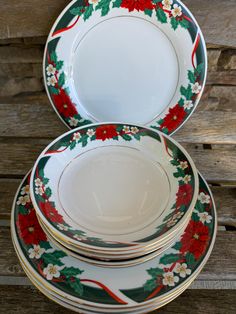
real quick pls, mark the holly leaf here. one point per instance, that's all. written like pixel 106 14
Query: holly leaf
pixel 156 1
pixel 189 92
pixel 181 102
pixel 165 131
pixel 161 16
pixel 53 258
pixel 22 210
pixel 190 259
pixel 40 198
pixel 76 285
pixel 41 173
pixel 154 272
pixel 184 23
pixel 72 145
pixel 45 181
pixel 169 259
pixel 45 245
pixel 148 12
pixel 126 137
pixel 48 192
pixel 179 173
pixel 117 4
pixel 54 90
pixel 150 285
pixel 174 23
pixel 84 142
pixel 177 246
pixel 59 65
pixel 103 5
pixel 61 80
pixel 88 12
pixel 191 77
pixel 199 69
pixel 183 91
pixel 200 207
pixel 71 271
pixel 53 57
pixel 174 162
pixel 137 137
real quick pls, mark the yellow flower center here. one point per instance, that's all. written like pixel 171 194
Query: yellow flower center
pixel 196 236
pixel 31 229
pixel 65 106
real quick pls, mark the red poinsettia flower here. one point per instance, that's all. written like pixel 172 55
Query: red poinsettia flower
pixel 51 213
pixel 184 195
pixel 104 132
pixel 139 5
pixel 195 239
pixel 174 118
pixel 30 230
pixel 64 104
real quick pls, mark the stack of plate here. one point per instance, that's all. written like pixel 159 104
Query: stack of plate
pixel 114 217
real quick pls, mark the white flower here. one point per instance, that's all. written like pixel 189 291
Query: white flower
pixel 73 122
pixel 76 136
pixel 50 70
pixel 204 198
pixel 205 217
pixel 183 165
pixel 94 2
pixel 22 200
pixel 25 190
pixel 39 190
pixel 196 88
pixel 90 132
pixel 126 129
pixel 176 11
pixel 51 81
pixel 62 227
pixel 170 279
pixel 38 182
pixel 188 104
pixel 52 271
pixel 134 129
pixel 167 4
pixel 178 215
pixel 171 222
pixel 187 179
pixel 182 270
pixel 36 252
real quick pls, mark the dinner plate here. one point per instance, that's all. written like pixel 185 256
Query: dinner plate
pixel 114 187
pixel 142 62
pixel 122 288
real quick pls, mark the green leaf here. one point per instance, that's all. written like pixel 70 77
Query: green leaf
pixel 161 16
pixel 181 102
pixel 71 271
pixel 117 4
pixel 195 217
pixel 150 285
pixel 148 12
pixel 40 198
pixel 126 137
pixel 184 23
pixel 53 57
pixel 54 90
pixel 183 91
pixel 169 259
pixel 161 121
pixel 174 23
pixel 72 145
pixel 165 130
pixel 77 11
pixel 199 69
pixel 154 272
pixel 76 285
pixel 22 210
pixel 179 173
pixel 200 207
pixel 177 246
pixel 174 162
pixel 45 245
pixel 137 137
pixel 61 80
pixel 48 192
pixel 53 258
pixel 103 5
pixel 59 65
pixel 156 1
pixel 45 181
pixel 41 173
pixel 190 259
pixel 88 12
pixel 191 77
pixel 84 142
pixel 189 93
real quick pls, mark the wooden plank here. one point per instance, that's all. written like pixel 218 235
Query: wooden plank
pixel 16 299
pixel 224 253
pixel 225 199
pixel 217 164
pixel 215 17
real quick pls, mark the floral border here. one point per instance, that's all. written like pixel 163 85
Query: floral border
pixel 166 11
pixel 43 193
pixel 172 268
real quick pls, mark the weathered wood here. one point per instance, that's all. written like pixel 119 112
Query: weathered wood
pixel 225 199
pixel 16 299
pixel 223 254
pixel 35 18
pixel 217 164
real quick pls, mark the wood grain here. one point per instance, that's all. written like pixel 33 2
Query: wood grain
pixel 225 199
pixel 216 18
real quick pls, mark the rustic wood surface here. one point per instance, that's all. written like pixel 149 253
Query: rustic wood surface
pixel 28 123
